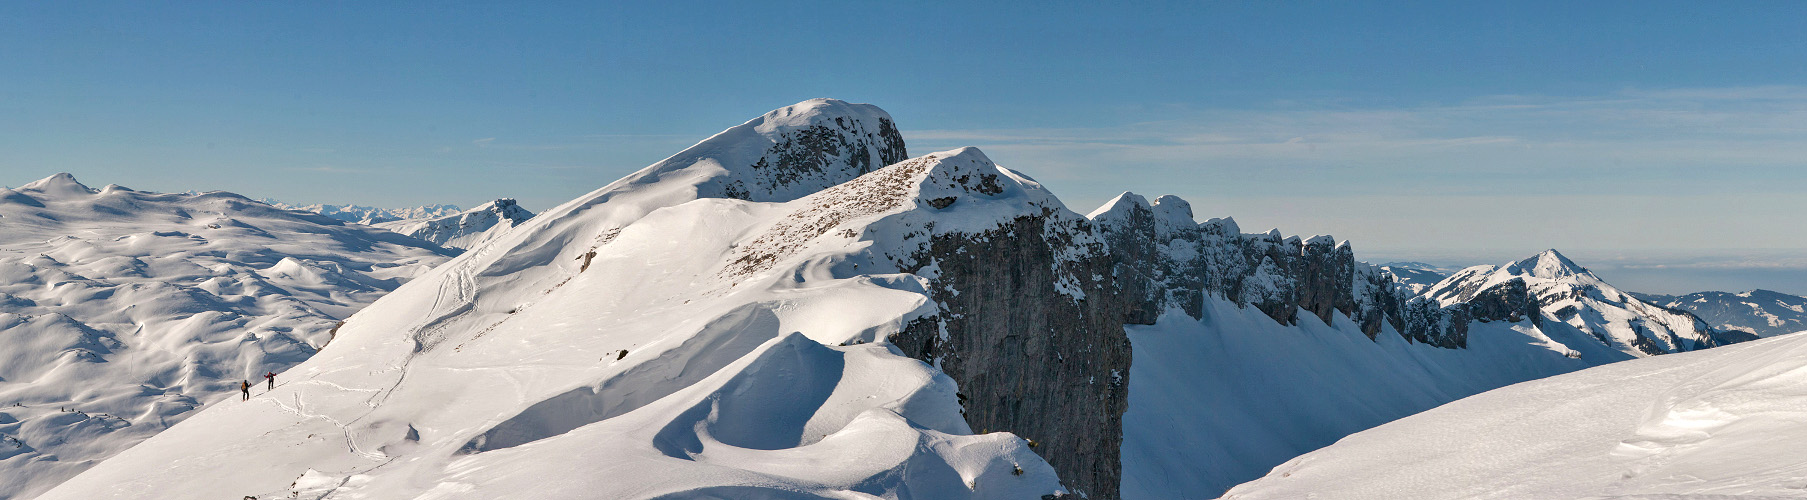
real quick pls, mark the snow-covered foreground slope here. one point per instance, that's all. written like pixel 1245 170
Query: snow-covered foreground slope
pixel 465 229
pixel 579 356
pixel 1717 424
pixel 1763 313
pixel 122 312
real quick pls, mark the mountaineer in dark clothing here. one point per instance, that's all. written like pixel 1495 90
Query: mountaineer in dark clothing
pixel 244 386
pixel 272 378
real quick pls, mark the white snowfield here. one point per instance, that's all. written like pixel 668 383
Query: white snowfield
pixel 648 340
pixel 122 311
pixel 1724 423
pixel 465 229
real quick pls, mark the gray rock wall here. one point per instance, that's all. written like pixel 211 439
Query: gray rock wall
pixel 1029 358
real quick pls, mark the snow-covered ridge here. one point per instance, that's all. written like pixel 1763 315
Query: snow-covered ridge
pixel 122 312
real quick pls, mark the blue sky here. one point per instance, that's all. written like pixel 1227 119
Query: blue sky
pixel 1663 144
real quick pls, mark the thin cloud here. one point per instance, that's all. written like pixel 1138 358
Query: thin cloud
pixel 1721 128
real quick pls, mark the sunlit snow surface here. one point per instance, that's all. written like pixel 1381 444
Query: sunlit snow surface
pixel 707 348
pixel 1728 422
pixel 122 311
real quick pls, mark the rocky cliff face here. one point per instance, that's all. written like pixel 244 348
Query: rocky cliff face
pixel 1031 328
pixel 1030 312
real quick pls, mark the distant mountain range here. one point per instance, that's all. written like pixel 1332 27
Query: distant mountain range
pixel 1758 312
pixel 1762 313
pixel 1417 275
pixel 443 225
pixel 368 215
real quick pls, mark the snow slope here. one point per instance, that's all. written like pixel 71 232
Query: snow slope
pixel 1758 312
pixel 1717 424
pixel 579 356
pixel 122 311
pixel 464 229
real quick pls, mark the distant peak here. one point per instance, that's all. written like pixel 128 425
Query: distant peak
pixel 62 183
pixel 1548 264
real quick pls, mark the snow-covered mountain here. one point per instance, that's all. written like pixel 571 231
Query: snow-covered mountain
pixel 794 308
pixel 1762 313
pixel 122 311
pixel 464 229
pixel 367 215
pixel 1718 424
pixel 1577 300
pixel 652 339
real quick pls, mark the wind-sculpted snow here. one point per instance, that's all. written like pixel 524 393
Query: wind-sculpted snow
pixel 122 312
pixel 1721 423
